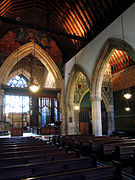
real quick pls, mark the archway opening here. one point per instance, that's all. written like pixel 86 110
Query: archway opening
pixel 43 112
pixel 85 116
pixel 118 54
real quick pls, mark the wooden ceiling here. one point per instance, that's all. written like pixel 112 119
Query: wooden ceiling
pixel 71 23
pixel 119 61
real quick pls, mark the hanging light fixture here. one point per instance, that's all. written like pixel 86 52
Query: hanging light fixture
pixel 126 93
pixel 34 87
pixel 127 108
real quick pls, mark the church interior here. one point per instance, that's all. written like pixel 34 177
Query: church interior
pixel 67 83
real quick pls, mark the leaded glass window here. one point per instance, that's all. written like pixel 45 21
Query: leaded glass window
pixel 17 81
pixel 14 103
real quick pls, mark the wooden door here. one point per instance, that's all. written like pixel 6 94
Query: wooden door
pixel 84 119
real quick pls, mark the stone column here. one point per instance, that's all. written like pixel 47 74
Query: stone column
pixel 96 115
pixel 76 120
pixel 1 104
pixel 72 120
pixel 111 123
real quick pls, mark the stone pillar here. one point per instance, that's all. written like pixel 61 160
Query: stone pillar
pixel 61 112
pixel 111 123
pixel 96 115
pixel 1 104
pixel 76 121
pixel 72 120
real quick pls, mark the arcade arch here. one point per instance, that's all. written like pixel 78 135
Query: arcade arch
pixel 97 78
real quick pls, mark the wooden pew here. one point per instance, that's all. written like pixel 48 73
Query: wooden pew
pixel 122 153
pixel 37 158
pixel 103 148
pixel 36 169
pixel 106 149
pixel 5 143
pixel 31 152
pixel 100 173
pixel 89 143
pixel 26 147
pixel 21 144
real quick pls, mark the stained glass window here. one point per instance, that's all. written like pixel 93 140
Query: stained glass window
pixel 17 104
pixel 17 81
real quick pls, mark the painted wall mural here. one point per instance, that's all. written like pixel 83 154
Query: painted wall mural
pixel 80 88
pixel 119 81
pixel 18 37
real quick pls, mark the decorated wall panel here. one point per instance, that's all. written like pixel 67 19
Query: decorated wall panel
pixel 119 81
pixel 81 87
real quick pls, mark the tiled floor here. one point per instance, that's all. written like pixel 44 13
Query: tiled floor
pixel 24 135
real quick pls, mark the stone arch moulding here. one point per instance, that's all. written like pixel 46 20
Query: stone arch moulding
pixel 85 92
pixel 17 72
pixel 102 60
pixel 97 78
pixel 69 97
pixel 71 83
pixel 107 105
pixel 23 51
pixel 105 100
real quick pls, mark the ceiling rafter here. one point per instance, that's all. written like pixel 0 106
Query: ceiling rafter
pixel 73 22
pixel 67 20
pixel 115 65
pixel 97 12
pixel 122 58
pixel 77 13
pixel 101 8
pixel 13 21
pixel 85 13
pixel 118 60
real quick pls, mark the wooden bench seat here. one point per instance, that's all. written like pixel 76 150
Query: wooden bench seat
pixel 37 158
pixel 36 169
pixel 31 152
pixel 21 144
pixel 123 153
pixel 100 173
pixel 25 148
pixel 106 149
pixel 18 142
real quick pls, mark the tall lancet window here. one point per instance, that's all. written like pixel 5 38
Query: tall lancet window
pixel 15 103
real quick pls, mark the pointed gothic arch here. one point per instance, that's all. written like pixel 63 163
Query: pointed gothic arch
pixel 69 98
pixel 103 59
pixel 97 78
pixel 48 62
pixel 23 51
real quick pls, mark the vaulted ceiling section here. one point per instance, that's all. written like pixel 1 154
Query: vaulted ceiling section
pixel 71 23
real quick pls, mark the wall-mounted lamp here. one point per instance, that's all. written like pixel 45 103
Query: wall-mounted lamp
pixel 76 107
